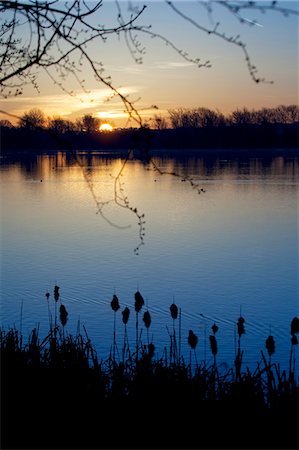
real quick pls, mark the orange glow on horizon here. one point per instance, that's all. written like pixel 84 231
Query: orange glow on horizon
pixel 106 127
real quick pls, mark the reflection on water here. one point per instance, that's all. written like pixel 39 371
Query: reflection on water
pixel 235 246
pixel 42 165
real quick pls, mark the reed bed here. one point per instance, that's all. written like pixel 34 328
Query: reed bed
pixel 58 393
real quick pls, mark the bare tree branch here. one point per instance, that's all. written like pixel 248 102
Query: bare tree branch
pixel 55 35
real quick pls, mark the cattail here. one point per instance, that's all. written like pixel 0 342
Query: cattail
pixel 115 307
pixel 238 360
pixel 56 297
pixel 139 302
pixel 56 293
pixel 126 314
pixel 295 326
pixel 240 324
pixel 213 343
pixel 47 295
pixel 173 349
pixel 147 319
pixel 147 322
pixel 215 328
pixel 270 345
pixel 192 339
pixel 294 341
pixel 174 311
pixel 63 315
pixel 115 303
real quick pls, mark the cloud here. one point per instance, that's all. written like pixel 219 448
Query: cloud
pixel 173 65
pixel 67 105
pixel 131 70
pixel 112 114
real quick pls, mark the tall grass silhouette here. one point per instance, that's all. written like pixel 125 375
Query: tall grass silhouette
pixel 137 389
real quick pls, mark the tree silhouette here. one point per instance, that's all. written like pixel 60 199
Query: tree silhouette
pixel 60 126
pixel 90 124
pixel 204 117
pixel 33 119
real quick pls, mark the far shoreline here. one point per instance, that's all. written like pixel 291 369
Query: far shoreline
pixel 160 152
pixel 249 139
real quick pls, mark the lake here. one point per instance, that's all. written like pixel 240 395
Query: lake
pixel 231 249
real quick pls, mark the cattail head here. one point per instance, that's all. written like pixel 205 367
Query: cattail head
pixel 192 339
pixel 215 328
pixel 126 314
pixel 213 344
pixel 56 293
pixel 115 303
pixel 139 302
pixel 47 295
pixel 63 315
pixel 270 345
pixel 174 311
pixel 240 324
pixel 294 339
pixel 151 350
pixel 147 319
pixel 295 326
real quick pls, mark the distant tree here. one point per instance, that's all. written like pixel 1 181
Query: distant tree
pixel 78 124
pixel 264 116
pixel 176 117
pixel 33 119
pixel 86 123
pixel 159 122
pixel 244 117
pixel 209 118
pixel 204 117
pixel 287 114
pixel 90 124
pixel 6 123
pixel 280 114
pixel 60 125
pixel 196 118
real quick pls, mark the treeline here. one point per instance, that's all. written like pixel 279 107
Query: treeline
pixel 35 119
pixel 198 128
pixel 204 117
pixel 177 118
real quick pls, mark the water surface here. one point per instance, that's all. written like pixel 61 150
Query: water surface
pixel 232 248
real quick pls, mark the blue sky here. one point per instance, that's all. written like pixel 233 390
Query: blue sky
pixel 166 80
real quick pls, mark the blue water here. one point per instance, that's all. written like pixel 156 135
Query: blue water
pixel 232 248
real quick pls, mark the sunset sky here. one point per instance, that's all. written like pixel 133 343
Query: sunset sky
pixel 166 80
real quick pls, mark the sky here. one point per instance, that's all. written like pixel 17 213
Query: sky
pixel 165 79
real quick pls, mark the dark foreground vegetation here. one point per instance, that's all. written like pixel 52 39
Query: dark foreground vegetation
pixel 57 393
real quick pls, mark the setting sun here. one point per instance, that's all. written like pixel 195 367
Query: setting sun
pixel 106 127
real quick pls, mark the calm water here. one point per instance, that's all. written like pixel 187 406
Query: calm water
pixel 234 246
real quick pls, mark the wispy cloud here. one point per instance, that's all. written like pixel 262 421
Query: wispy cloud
pixel 68 105
pixel 131 70
pixel 112 114
pixel 173 65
